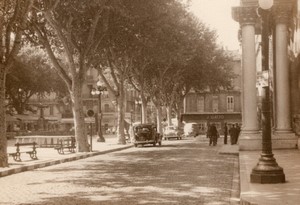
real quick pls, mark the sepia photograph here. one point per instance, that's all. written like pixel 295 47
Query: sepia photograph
pixel 149 102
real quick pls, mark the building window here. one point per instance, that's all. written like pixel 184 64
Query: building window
pixel 192 103
pixel 106 108
pixel 230 103
pixel 215 104
pixel 200 104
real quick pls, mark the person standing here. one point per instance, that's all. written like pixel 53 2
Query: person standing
pixel 225 133
pixel 214 135
pixel 232 133
pixel 237 134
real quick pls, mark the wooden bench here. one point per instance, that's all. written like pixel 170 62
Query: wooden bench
pixel 68 144
pixel 17 155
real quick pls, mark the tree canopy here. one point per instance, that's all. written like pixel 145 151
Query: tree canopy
pixel 31 75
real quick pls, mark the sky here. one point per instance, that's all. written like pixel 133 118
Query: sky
pixel 216 14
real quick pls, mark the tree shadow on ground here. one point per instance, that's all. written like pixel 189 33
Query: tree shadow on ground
pixel 187 173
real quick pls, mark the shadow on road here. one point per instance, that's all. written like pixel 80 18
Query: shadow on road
pixel 184 173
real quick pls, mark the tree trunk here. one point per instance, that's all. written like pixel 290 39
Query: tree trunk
pixel 121 115
pixel 169 115
pixel 3 139
pixel 159 119
pixel 144 112
pixel 179 112
pixel 79 123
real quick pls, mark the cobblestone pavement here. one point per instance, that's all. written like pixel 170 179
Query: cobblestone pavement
pixel 179 172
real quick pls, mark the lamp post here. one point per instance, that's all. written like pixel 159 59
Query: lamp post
pixel 138 102
pixel 98 91
pixel 267 170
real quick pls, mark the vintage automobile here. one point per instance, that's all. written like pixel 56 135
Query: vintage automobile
pixel 146 134
pixel 172 132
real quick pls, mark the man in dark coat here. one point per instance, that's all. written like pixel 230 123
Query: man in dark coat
pixel 214 135
pixel 232 133
pixel 237 134
pixel 225 133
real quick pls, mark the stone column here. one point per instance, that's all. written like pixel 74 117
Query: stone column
pixel 250 138
pixel 283 112
pixel 283 135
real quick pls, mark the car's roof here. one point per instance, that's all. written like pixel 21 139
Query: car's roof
pixel 145 125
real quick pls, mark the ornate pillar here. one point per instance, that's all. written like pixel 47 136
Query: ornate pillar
pixel 250 138
pixel 283 136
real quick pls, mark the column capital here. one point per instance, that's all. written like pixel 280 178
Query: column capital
pixel 282 13
pixel 245 15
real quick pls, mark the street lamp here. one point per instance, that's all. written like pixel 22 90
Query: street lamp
pixel 139 103
pixel 267 170
pixel 98 91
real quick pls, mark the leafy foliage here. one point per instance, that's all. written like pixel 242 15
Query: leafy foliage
pixel 31 75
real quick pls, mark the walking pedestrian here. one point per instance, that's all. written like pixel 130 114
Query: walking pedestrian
pixel 214 135
pixel 225 133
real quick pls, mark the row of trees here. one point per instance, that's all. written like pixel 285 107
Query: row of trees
pixel 156 47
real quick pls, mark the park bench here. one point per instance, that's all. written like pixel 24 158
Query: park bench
pixel 32 153
pixel 68 144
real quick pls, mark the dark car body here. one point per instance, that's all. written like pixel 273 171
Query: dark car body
pixel 146 134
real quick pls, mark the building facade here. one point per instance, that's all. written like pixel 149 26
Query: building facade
pixel 204 108
pixel 54 115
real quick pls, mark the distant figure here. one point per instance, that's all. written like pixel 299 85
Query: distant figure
pixel 238 130
pixel 208 131
pixel 225 133
pixel 214 135
pixel 232 133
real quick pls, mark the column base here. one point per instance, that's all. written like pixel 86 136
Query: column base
pixel 280 140
pixel 284 140
pixel 250 141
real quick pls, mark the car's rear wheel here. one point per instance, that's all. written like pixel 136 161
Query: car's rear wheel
pixel 154 144
pixel 159 143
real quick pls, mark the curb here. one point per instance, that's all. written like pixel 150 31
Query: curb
pixel 60 161
pixel 235 188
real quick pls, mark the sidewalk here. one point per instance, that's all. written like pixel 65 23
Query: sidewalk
pixel 287 193
pixel 49 156
pixel 271 194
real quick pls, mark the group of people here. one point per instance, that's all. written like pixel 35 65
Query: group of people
pixel 234 132
pixel 213 134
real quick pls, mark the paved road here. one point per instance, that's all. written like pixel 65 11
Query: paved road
pixel 179 172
